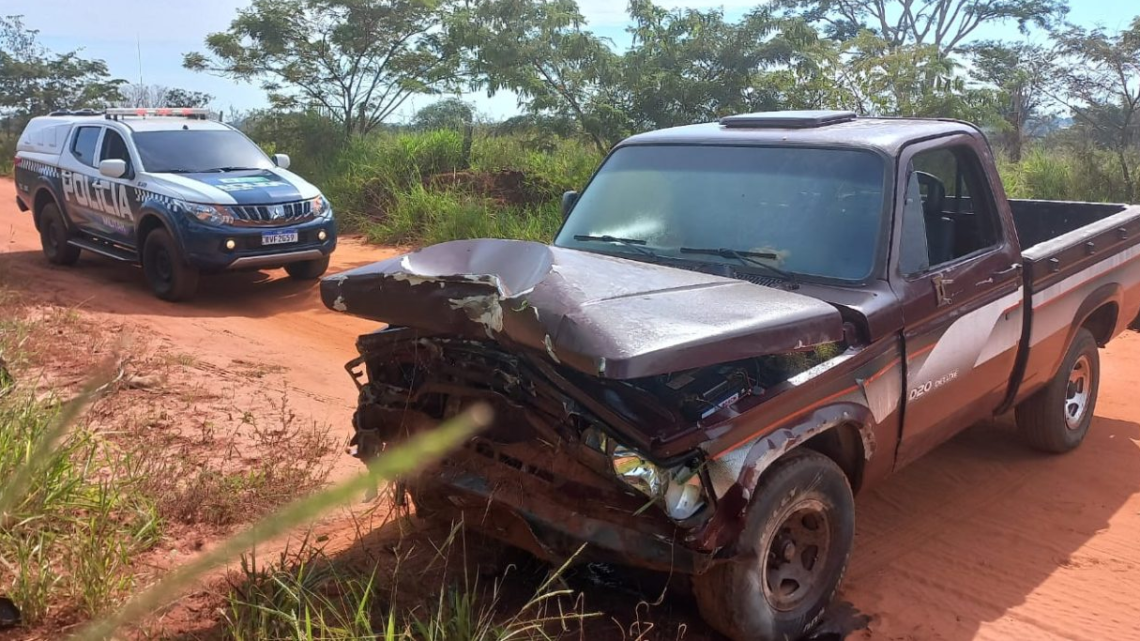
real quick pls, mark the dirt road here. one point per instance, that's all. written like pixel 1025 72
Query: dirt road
pixel 983 539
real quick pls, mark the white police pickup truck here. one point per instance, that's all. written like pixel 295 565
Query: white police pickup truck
pixel 170 189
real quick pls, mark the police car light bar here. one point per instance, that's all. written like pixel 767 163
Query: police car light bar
pixel 184 112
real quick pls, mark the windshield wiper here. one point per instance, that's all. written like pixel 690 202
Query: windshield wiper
pixel 224 169
pixel 633 243
pixel 747 257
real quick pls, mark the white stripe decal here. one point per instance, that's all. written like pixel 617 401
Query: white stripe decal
pixel 973 339
pixel 210 193
pixel 1085 275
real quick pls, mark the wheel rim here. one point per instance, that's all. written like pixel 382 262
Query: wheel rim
pixel 1077 393
pixel 795 563
pixel 163 268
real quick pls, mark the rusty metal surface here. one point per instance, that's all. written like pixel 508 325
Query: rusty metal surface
pixel 601 315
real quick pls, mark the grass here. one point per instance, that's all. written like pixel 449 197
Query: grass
pixel 67 542
pixel 381 185
pixel 308 595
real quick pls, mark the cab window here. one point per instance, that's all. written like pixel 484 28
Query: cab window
pixel 83 146
pixel 115 148
pixel 941 223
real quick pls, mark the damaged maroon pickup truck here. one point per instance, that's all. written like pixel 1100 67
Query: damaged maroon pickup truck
pixel 740 325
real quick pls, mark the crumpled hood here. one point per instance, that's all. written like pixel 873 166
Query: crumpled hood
pixel 248 187
pixel 602 315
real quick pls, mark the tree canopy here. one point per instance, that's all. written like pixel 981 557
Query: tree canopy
pixel 358 60
pixel 35 81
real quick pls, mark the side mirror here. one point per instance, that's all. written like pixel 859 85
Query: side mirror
pixel 281 160
pixel 568 201
pixel 113 168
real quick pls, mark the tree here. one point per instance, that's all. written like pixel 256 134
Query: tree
pixel 35 81
pixel 1022 74
pixel 1100 76
pixel 140 95
pixel 449 113
pixel 689 66
pixel 910 80
pixel 942 24
pixel 358 60
pixel 540 50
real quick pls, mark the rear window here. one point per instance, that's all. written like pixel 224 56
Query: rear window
pixel 83 147
pixel 195 151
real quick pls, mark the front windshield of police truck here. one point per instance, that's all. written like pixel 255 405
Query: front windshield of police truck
pixel 818 210
pixel 198 151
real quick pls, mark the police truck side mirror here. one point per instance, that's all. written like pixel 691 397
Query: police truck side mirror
pixel 113 168
pixel 281 160
pixel 568 200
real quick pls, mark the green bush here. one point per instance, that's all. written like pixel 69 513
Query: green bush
pixel 386 185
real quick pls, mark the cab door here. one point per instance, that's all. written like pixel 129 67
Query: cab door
pixel 77 174
pixel 959 279
pixel 115 195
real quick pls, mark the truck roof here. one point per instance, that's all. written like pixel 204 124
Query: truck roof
pixel 816 128
pixel 135 123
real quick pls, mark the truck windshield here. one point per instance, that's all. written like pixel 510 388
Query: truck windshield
pixel 196 151
pixel 815 212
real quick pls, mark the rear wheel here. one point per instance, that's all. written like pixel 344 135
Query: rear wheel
pixel 308 269
pixel 1057 418
pixel 790 557
pixel 167 272
pixel 53 237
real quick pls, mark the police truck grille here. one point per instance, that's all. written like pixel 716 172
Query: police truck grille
pixel 268 215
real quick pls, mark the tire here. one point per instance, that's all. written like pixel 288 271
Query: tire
pixel 308 269
pixel 805 504
pixel 166 270
pixel 1057 418
pixel 53 237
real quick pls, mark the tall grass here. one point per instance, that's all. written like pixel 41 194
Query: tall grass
pixel 73 514
pixel 1080 174
pixel 381 185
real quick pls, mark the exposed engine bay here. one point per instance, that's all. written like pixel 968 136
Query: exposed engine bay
pixel 609 379
pixel 558 425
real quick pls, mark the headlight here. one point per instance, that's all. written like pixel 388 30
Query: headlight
pixel 321 207
pixel 209 214
pixel 678 489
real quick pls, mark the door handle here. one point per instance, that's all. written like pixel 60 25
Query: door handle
pixel 940 283
pixel 1016 267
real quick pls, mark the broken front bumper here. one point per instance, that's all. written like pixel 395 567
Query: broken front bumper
pixel 554 518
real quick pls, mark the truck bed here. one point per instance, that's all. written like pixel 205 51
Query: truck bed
pixel 1077 257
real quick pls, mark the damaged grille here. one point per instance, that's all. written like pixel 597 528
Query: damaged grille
pixel 279 214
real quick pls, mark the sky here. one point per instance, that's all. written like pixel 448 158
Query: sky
pixel 117 31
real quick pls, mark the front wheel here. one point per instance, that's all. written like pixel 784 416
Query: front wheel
pixel 169 276
pixel 1057 418
pixel 791 556
pixel 308 269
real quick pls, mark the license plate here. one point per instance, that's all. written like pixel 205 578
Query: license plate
pixel 280 237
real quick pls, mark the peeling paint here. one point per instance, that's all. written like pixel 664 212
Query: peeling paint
pixel 550 349
pixel 485 310
pixel 339 305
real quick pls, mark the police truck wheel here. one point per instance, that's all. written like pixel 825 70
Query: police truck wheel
pixel 167 272
pixel 308 269
pixel 53 237
pixel 790 557
pixel 1057 418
